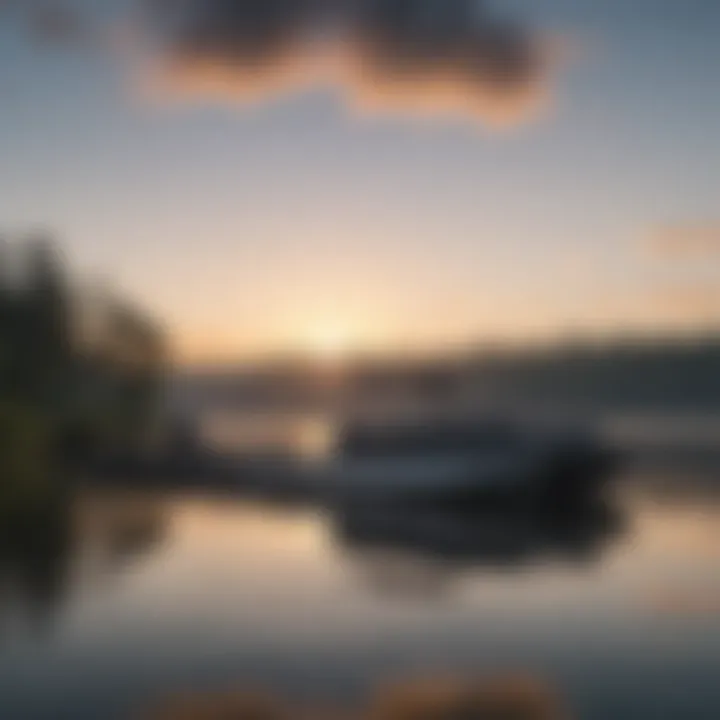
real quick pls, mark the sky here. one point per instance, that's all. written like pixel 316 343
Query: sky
pixel 306 175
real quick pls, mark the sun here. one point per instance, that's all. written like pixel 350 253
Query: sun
pixel 330 343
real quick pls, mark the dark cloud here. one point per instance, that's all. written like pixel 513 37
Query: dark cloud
pixel 402 38
pixel 56 23
pixel 232 32
pixel 48 23
pixel 411 54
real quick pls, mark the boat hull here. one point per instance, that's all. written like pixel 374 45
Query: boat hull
pixel 555 474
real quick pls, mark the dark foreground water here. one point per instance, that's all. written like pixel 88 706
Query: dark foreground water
pixel 617 606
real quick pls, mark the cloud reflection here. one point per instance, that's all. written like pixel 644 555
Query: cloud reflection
pixel 518 697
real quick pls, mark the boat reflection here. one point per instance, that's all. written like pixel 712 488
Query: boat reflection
pixel 418 548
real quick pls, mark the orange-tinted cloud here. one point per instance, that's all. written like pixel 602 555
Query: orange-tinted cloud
pixel 523 698
pixel 701 301
pixel 690 240
pixel 418 56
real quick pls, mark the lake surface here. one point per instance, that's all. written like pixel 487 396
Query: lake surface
pixel 616 606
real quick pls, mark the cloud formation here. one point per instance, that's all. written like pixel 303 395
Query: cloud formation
pixel 428 56
pixel 48 23
pixel 56 23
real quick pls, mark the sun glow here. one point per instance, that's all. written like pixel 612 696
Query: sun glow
pixel 330 343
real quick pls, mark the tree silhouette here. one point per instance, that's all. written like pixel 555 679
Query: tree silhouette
pixel 64 400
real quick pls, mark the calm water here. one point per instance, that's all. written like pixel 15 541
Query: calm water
pixel 617 606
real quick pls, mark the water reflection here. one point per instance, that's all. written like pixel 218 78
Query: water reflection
pixel 119 528
pixel 35 562
pixel 77 540
pixel 512 697
pixel 152 594
pixel 82 541
pixel 419 549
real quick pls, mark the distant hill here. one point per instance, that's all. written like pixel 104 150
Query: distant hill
pixel 655 375
pixel 662 374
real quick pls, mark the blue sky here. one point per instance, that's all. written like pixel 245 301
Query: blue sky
pixel 254 227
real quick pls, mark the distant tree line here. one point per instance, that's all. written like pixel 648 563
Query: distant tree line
pixel 655 375
pixel 81 374
pixel 633 375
